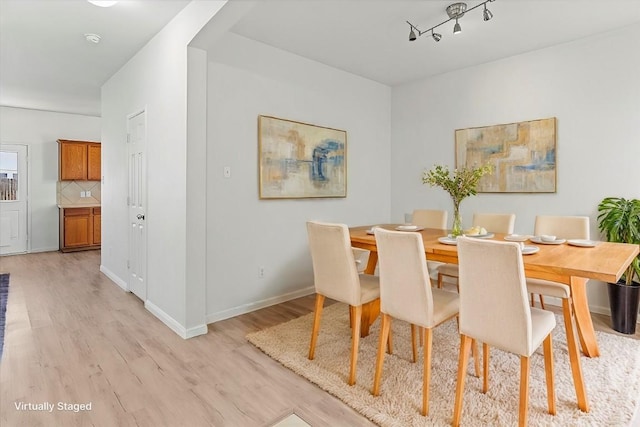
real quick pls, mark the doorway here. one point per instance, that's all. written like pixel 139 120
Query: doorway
pixel 13 199
pixel 137 202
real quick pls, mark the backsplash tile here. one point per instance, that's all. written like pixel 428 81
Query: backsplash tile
pixel 68 192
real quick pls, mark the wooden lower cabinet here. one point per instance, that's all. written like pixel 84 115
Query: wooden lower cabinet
pixel 80 228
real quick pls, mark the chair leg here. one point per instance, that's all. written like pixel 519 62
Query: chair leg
pixel 548 370
pixel 476 357
pixel 390 339
pixel 439 280
pixel 421 336
pixel 524 391
pixel 533 301
pixel 485 367
pixel 355 341
pixel 426 374
pixel 465 343
pixel 385 325
pixel 541 301
pixel 414 346
pixel 574 357
pixel 316 325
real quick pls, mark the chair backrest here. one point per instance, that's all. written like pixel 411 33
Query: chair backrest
pixel 405 288
pixel 334 268
pixel 493 295
pixel 563 227
pixel 496 223
pixel 428 218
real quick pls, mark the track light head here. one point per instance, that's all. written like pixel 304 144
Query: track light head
pixel 412 35
pixel 436 36
pixel 457 28
pixel 487 13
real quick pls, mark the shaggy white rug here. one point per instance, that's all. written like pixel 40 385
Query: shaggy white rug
pixel 612 380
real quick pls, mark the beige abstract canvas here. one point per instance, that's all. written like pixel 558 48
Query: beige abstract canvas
pixel 523 155
pixel 299 160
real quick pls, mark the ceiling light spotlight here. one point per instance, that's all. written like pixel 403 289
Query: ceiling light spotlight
pixel 102 3
pixel 455 11
pixel 92 38
pixel 487 13
pixel 457 28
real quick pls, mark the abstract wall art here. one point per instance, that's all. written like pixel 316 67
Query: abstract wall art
pixel 299 160
pixel 523 155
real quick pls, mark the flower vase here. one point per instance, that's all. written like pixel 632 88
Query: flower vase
pixel 456 230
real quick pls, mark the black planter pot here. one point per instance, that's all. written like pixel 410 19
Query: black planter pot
pixel 623 301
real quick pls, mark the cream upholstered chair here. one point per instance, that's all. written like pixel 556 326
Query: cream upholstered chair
pixel 406 294
pixel 361 256
pixel 429 218
pixel 565 227
pixel 494 309
pixel 494 223
pixel 336 276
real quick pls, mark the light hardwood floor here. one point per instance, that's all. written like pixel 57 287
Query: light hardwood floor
pixel 73 336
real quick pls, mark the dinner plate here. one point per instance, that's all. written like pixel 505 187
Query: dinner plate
pixel 409 228
pixel 528 250
pixel 370 231
pixel 537 239
pixel 481 236
pixel 448 240
pixel 582 243
pixel 517 237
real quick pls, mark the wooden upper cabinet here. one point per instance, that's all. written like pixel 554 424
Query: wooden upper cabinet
pixel 79 160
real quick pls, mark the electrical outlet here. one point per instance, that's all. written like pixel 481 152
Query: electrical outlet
pixel 83 194
pixel 261 272
pixel 227 171
pixel 87 193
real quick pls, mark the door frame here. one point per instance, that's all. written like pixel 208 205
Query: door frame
pixel 28 191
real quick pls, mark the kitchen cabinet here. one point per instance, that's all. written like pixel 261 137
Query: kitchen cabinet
pixel 79 160
pixel 80 228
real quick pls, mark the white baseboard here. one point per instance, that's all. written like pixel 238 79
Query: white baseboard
pixel 253 306
pixel 38 250
pixel 114 278
pixel 173 324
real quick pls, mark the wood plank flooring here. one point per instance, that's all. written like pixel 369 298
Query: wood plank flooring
pixel 74 337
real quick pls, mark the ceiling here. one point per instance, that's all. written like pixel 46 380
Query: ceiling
pixel 45 62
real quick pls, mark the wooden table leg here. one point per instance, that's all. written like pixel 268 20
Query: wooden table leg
pixel 586 332
pixel 371 310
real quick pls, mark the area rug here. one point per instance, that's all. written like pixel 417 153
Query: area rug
pixel 612 380
pixel 4 296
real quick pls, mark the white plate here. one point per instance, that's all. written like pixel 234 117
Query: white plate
pixel 481 236
pixel 517 237
pixel 448 240
pixel 537 239
pixel 528 250
pixel 370 231
pixel 409 228
pixel 582 243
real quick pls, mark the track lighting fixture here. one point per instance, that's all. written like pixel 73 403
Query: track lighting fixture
pixel 455 11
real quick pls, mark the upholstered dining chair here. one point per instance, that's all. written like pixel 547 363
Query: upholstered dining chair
pixel 494 309
pixel 494 223
pixel 336 276
pixel 406 294
pixel 430 218
pixel 565 227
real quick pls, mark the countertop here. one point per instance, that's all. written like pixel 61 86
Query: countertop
pixel 80 205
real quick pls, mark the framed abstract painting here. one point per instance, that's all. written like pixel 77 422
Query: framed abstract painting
pixel 523 155
pixel 300 160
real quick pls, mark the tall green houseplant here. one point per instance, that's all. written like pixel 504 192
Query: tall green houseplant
pixel 619 220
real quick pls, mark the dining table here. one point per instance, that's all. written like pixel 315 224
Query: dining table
pixel 564 263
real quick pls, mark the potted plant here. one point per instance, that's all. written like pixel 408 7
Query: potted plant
pixel 619 220
pixel 462 184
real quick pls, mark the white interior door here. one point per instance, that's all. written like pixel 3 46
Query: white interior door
pixel 137 200
pixel 13 199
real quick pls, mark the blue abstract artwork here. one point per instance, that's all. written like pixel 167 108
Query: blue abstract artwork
pixel 299 160
pixel 523 155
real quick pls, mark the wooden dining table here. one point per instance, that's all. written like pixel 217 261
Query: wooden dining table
pixel 562 263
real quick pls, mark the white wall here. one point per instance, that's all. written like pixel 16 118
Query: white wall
pixel 156 80
pixel 247 79
pixel 590 85
pixel 40 130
